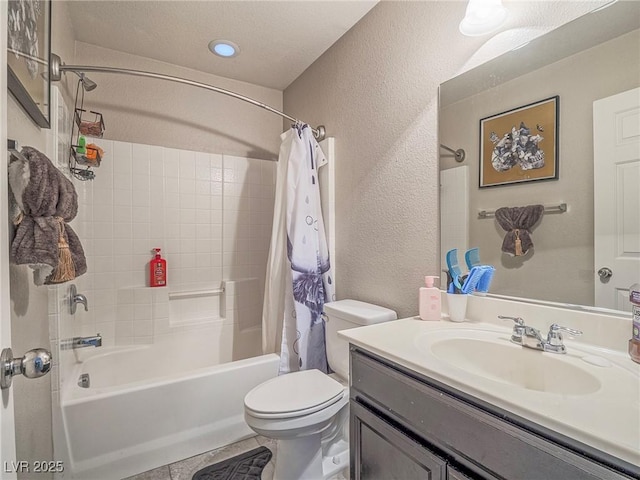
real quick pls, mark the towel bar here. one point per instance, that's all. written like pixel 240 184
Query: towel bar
pixel 547 209
pixel 196 294
pixel 14 149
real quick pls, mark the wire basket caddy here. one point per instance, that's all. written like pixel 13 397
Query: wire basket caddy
pixel 83 158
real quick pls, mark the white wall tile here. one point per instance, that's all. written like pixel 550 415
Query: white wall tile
pixel 141 155
pixel 187 164
pixel 183 202
pixel 122 196
pixel 122 158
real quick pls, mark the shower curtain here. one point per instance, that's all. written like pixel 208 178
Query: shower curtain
pixel 298 280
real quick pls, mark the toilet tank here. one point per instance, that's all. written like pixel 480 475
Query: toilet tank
pixel 344 314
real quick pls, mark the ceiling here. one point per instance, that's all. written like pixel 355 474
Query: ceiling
pixel 278 40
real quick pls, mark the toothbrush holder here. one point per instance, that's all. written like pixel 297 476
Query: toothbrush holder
pixel 457 303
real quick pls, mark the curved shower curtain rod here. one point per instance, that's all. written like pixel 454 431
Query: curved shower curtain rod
pixel 57 68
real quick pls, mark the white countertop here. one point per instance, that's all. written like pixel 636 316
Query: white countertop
pixel 607 419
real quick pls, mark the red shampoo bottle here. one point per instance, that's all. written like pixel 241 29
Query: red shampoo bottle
pixel 157 270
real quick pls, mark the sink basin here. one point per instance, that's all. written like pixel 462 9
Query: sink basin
pixel 491 355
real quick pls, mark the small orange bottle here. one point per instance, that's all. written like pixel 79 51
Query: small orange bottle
pixel 157 270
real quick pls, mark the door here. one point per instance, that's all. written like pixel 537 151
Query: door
pixel 616 156
pixel 7 429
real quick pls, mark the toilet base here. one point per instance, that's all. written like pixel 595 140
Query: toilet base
pixel 301 458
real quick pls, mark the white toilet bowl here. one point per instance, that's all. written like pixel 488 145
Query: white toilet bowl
pixel 307 412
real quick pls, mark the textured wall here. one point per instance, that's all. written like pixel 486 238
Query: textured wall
pixel 376 90
pixel 155 112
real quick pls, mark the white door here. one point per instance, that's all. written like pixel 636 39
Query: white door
pixel 7 425
pixel 616 148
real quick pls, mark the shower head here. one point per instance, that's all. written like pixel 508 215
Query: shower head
pixel 87 83
pixel 57 68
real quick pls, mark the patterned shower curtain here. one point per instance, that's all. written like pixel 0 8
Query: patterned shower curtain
pixel 305 273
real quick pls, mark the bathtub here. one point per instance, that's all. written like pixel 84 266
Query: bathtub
pixel 151 405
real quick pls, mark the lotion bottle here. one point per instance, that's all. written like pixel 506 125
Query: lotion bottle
pixel 157 270
pixel 430 303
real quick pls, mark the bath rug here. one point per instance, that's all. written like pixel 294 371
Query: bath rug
pixel 246 466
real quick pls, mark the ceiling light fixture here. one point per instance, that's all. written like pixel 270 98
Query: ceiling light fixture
pixel 483 17
pixel 224 48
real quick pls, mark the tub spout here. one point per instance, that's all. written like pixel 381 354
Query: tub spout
pixel 82 342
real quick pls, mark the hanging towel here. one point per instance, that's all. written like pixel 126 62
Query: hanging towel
pixel 517 222
pixel 46 201
pixel 303 269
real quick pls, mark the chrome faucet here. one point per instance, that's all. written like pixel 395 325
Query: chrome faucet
pixel 531 338
pixel 76 298
pixel 81 342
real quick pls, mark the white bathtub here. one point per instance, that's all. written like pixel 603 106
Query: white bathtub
pixel 151 405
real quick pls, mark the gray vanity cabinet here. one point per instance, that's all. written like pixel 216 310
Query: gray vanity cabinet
pixel 404 426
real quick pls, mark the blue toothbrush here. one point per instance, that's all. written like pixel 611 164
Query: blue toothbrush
pixel 485 280
pixel 476 275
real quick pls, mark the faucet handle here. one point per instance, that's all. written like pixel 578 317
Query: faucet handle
pixel 519 329
pixel 519 321
pixel 555 337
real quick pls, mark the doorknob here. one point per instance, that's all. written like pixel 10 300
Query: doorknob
pixel 605 272
pixel 34 364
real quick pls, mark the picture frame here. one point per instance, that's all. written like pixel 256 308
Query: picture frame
pixel 520 145
pixel 28 57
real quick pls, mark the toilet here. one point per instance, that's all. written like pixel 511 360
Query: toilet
pixel 307 412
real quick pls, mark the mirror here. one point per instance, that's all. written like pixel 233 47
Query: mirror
pixel 593 57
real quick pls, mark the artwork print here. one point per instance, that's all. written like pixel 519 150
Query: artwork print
pixel 520 145
pixel 28 49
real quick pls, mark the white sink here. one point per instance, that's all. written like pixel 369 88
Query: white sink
pixel 591 393
pixel 496 358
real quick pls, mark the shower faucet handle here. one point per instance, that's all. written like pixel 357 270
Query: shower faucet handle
pixel 76 298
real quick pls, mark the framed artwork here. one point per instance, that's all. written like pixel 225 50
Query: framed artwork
pixel 520 145
pixel 28 51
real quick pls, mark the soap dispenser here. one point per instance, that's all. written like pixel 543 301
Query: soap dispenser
pixel 430 303
pixel 157 270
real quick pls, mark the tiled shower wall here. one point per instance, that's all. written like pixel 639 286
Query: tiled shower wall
pixel 210 214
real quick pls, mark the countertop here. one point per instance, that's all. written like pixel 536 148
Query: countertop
pixel 607 419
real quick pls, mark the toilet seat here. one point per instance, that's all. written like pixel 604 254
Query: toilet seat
pixel 294 395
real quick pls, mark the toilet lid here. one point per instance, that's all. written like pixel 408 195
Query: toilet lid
pixel 293 394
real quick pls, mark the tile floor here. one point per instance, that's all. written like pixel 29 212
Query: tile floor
pixel 184 469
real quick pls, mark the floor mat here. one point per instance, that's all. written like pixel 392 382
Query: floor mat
pixel 246 466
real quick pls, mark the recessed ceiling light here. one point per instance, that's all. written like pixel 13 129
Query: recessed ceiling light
pixel 224 48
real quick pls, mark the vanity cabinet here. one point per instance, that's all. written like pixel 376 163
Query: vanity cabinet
pixel 406 426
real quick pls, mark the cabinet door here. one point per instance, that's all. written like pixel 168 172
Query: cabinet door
pixel 381 452
pixel 454 474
